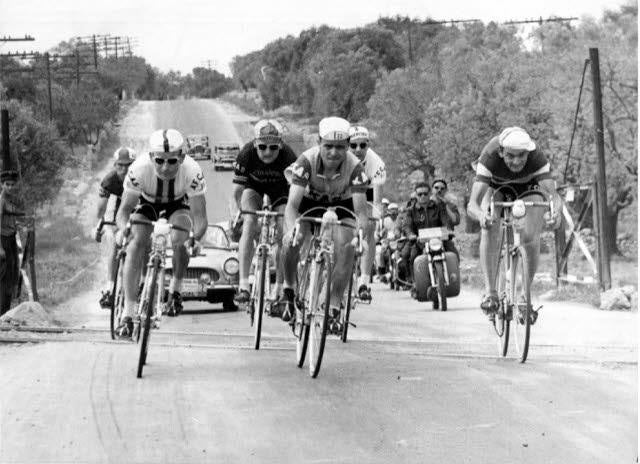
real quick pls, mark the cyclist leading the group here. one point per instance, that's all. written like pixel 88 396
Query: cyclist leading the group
pixel 164 180
pixel 325 175
pixel 511 159
pixel 111 187
pixel 375 170
pixel 259 170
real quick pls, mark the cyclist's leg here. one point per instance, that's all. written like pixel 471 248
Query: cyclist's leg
pixel 343 263
pixel 278 251
pixel 530 234
pixel 366 262
pixel 134 262
pixel 178 215
pixel 489 243
pixel 108 237
pixel 250 201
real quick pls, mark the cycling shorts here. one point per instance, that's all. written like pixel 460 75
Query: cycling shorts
pixel 152 211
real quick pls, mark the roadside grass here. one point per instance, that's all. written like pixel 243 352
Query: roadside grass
pixel 67 260
pixel 249 102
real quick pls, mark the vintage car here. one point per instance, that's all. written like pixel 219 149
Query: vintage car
pixel 212 275
pixel 198 146
pixel 224 155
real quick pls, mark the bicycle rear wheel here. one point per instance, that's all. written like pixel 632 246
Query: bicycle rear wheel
pixel 319 313
pixel 259 295
pixel 146 313
pixel 117 297
pixel 346 313
pixel 521 302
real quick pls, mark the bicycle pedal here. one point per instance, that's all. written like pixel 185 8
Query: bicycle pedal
pixel 352 324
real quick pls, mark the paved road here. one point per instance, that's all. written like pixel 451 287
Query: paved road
pixel 412 385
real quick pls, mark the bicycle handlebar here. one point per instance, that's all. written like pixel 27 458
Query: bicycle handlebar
pixel 262 213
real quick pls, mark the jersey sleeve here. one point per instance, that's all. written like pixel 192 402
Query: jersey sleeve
pixel 299 172
pixel 359 182
pixel 240 171
pixel 378 172
pixel 486 162
pixel 133 180
pixel 196 185
pixel 104 191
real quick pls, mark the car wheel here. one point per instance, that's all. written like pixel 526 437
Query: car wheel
pixel 229 305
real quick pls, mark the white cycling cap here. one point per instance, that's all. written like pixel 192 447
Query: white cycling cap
pixel 385 201
pixel 516 138
pixel 392 206
pixel 165 141
pixel 358 132
pixel 268 130
pixel 333 128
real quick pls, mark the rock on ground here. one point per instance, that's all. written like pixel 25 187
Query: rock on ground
pixel 614 299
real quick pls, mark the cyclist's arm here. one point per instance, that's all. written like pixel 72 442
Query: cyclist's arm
pixel 1 209
pixel 377 196
pixel 198 206
pixel 102 206
pixel 548 186
pixel 129 201
pixel 474 208
pixel 291 214
pixel 453 213
pixel 361 210
pixel 237 194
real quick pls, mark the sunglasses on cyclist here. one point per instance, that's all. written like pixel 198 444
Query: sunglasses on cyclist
pixel 438 188
pixel 331 146
pixel 363 145
pixel 262 147
pixel 170 161
pixel 422 194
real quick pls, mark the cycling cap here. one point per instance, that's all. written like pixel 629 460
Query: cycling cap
pixel 358 132
pixel 124 155
pixel 516 138
pixel 165 141
pixel 393 206
pixel 268 130
pixel 385 201
pixel 333 128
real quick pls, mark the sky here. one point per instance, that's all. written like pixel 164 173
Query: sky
pixel 189 33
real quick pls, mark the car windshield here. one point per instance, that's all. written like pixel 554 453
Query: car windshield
pixel 215 237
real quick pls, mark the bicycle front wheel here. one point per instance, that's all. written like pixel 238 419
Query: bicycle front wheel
pixel 258 301
pixel 346 313
pixel 521 302
pixel 117 297
pixel 319 313
pixel 146 314
pixel 301 327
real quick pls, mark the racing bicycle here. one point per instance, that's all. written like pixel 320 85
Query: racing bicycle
pixel 314 287
pixel 514 292
pixel 261 298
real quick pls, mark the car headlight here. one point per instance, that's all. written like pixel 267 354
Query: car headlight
pixel 435 244
pixel 518 209
pixel 205 278
pixel 231 266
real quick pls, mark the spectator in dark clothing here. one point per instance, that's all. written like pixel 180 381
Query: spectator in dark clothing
pixel 10 208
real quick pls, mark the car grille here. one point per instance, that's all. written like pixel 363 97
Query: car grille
pixel 196 272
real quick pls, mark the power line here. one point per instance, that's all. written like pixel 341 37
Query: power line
pixel 541 20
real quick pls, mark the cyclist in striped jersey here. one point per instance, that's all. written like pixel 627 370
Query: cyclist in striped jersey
pixel 164 180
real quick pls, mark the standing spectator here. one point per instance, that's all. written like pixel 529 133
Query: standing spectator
pixel 10 207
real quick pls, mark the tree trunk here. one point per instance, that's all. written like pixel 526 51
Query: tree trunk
pixel 611 230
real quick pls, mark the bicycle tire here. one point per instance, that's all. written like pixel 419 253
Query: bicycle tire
pixel 147 313
pixel 347 310
pixel 521 316
pixel 441 290
pixel 117 301
pixel 301 329
pixel 319 319
pixel 502 320
pixel 262 263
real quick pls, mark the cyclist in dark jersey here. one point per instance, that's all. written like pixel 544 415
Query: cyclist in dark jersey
pixel 259 170
pixel 510 160
pixel 11 206
pixel 111 187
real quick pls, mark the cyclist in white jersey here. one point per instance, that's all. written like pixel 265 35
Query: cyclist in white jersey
pixel 375 170
pixel 165 180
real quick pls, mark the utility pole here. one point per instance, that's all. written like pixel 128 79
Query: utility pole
pixel 95 53
pixel 48 64
pixel 601 180
pixel 6 154
pixel 77 68
pixel 116 43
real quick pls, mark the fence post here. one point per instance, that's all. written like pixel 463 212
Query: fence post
pixel 31 241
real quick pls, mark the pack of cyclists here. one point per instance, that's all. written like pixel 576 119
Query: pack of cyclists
pixel 341 170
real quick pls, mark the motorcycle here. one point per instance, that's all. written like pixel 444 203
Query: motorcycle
pixel 436 272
